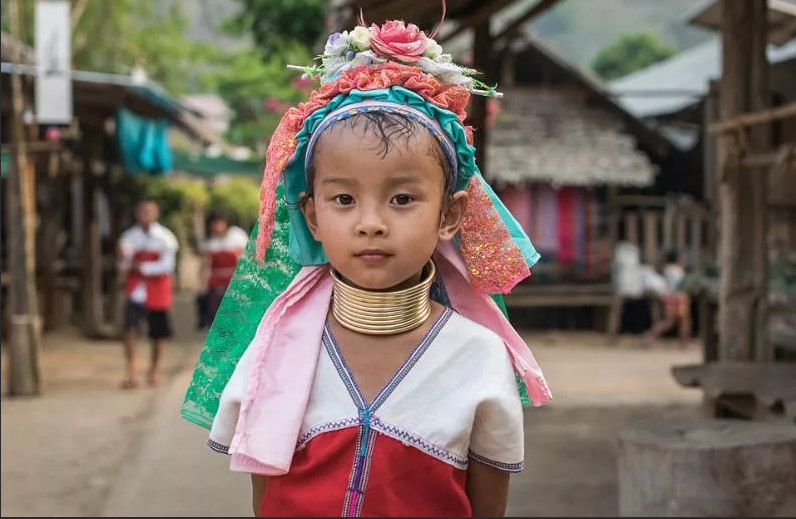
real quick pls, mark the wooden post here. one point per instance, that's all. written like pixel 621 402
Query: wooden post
pixel 697 223
pixel 711 115
pixel 24 371
pixel 743 248
pixel 680 234
pixel 669 213
pixel 614 219
pixel 631 228
pixel 760 139
pixel 651 255
pixel 91 272
pixel 482 61
pixel 508 67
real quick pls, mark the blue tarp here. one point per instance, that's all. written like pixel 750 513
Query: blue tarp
pixel 143 144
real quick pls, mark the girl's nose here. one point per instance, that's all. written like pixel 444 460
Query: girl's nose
pixel 371 225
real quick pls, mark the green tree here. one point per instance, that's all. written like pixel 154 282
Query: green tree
pixel 631 52
pixel 258 90
pixel 277 24
pixel 238 199
pixel 113 36
pixel 256 82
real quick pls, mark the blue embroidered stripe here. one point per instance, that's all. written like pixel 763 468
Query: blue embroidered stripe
pixel 507 467
pixel 351 488
pixel 217 447
pixel 342 369
pixel 331 426
pixel 419 443
pixel 412 359
pixel 363 483
pixel 348 379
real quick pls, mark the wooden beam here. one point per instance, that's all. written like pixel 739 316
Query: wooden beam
pixel 35 147
pixel 760 117
pixel 765 160
pixel 640 200
pixel 478 16
pixel 536 10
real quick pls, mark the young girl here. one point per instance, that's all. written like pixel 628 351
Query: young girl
pixel 382 380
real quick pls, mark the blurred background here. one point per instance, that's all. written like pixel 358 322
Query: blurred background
pixel 646 147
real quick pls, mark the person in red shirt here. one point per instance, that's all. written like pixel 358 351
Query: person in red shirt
pixel 148 256
pixel 221 253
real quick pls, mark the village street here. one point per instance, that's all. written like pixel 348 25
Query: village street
pixel 88 449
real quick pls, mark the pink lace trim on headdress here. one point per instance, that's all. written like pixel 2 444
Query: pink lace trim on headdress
pixel 494 263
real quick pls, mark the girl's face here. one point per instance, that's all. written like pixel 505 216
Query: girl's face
pixel 380 215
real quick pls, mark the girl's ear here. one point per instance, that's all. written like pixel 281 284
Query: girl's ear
pixel 310 215
pixel 452 214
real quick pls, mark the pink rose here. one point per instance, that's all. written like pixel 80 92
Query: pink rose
pixel 396 40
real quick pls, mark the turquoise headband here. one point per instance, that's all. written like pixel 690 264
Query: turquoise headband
pixel 415 115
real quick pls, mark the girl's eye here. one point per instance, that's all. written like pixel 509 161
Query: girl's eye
pixel 344 199
pixel 402 199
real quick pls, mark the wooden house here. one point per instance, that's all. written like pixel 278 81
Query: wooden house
pixel 70 173
pixel 570 163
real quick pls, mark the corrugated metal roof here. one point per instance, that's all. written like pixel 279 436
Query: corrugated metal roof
pixel 781 18
pixel 185 117
pixel 681 81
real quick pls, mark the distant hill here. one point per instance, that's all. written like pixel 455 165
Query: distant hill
pixel 577 28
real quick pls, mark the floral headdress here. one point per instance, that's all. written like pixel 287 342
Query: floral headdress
pixel 394 41
pixel 394 68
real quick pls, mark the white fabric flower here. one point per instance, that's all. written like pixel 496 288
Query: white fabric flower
pixel 334 65
pixel 337 44
pixel 433 49
pixel 360 37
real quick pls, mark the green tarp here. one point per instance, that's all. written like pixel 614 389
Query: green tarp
pixel 206 166
pixel 5 165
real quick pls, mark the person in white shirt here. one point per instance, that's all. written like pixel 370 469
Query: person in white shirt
pixel 676 303
pixel 147 254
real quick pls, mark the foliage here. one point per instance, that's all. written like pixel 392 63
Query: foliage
pixel 275 25
pixel 175 197
pixel 258 91
pixel 255 82
pixel 631 52
pixel 113 36
pixel 237 199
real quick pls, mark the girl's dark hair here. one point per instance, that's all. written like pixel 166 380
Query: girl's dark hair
pixel 391 129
